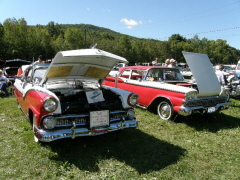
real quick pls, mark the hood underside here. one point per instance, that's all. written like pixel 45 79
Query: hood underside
pixel 83 63
pixel 204 74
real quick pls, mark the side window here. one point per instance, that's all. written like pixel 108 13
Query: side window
pixel 137 74
pixel 125 74
pixel 154 75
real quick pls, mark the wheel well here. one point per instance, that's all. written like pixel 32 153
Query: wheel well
pixel 30 114
pixel 153 105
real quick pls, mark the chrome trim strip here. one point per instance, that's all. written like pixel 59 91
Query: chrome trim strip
pixel 48 136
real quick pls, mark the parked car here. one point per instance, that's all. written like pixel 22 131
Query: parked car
pixel 236 72
pixel 165 89
pixel 186 72
pixel 11 67
pixel 116 68
pixel 65 99
pixel 182 65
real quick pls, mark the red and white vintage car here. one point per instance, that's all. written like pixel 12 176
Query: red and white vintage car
pixel 65 99
pixel 166 90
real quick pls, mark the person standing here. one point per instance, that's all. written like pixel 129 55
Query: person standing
pixel 3 83
pixel 167 62
pixel 154 63
pixel 221 77
pixel 39 61
pixel 173 63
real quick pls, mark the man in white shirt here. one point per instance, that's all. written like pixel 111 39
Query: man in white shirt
pixel 3 83
pixel 220 75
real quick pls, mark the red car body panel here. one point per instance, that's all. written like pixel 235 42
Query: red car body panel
pixel 147 94
pixel 33 100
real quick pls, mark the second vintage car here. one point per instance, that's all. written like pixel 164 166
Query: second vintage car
pixel 65 99
pixel 11 67
pixel 165 89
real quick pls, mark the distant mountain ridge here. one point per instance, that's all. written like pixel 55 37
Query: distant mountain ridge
pixel 90 27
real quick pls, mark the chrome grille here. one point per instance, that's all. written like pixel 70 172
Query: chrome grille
pixel 84 119
pixel 68 121
pixel 204 102
pixel 117 115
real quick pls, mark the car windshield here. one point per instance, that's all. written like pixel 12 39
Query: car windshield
pixel 164 75
pixel 40 73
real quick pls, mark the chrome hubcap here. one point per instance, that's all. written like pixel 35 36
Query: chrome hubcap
pixel 165 110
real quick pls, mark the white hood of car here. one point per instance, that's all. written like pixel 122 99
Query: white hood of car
pixel 204 74
pixel 83 63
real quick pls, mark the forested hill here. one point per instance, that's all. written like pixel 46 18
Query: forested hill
pixel 89 27
pixel 19 40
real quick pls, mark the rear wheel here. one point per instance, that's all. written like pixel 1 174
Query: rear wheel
pixel 165 110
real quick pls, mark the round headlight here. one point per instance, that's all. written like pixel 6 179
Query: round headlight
pixel 191 95
pixel 130 114
pixel 50 104
pixel 133 99
pixel 49 122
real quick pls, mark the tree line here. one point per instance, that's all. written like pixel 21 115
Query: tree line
pixel 19 40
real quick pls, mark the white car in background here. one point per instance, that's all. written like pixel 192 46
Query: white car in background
pixel 187 74
pixel 116 68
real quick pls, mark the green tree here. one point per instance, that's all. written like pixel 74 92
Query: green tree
pixel 15 33
pixel 125 47
pixel 54 29
pixel 73 39
pixel 2 43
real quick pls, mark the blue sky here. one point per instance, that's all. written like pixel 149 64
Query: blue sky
pixel 157 19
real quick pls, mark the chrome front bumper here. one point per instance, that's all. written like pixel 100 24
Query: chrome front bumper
pixel 186 111
pixel 48 136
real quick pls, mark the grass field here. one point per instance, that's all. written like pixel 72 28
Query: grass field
pixel 197 147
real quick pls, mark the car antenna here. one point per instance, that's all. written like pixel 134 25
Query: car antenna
pixel 95 45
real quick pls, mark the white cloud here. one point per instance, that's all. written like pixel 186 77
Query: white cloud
pixel 88 9
pixel 130 23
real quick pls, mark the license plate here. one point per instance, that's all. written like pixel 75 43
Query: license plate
pixel 99 118
pixel 211 109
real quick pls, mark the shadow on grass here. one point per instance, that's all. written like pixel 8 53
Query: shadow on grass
pixel 210 122
pixel 133 147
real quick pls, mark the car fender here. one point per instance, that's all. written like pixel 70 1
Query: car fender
pixel 123 95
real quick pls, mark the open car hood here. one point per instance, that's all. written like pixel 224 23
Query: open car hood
pixel 83 63
pixel 204 74
pixel 16 63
